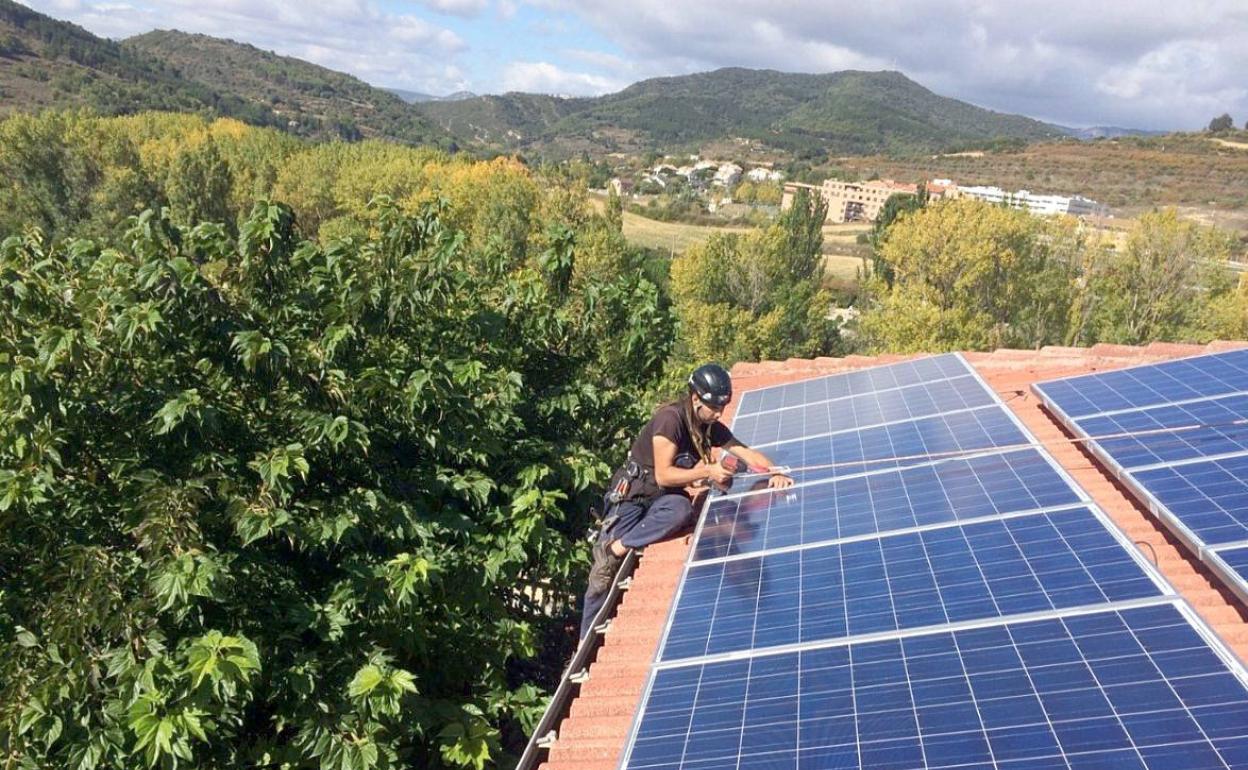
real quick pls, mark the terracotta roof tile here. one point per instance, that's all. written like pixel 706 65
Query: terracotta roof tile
pixel 594 734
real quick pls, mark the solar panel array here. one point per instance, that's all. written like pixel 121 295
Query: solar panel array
pixel 1177 434
pixel 934 593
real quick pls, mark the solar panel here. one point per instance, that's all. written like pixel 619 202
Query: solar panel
pixel 1187 460
pixel 1133 688
pixel 933 493
pixel 949 574
pixel 1235 560
pixel 1182 379
pixel 914 601
pixel 873 380
pixel 898 444
pixel 1175 432
pixel 862 410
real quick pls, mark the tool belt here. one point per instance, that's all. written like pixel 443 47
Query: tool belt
pixel 632 482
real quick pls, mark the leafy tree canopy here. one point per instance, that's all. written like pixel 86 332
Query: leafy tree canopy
pixel 968 275
pixel 758 295
pixel 1168 281
pixel 275 502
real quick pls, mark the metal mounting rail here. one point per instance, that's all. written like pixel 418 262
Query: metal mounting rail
pixel 576 673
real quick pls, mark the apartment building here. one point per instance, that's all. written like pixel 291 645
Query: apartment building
pixel 851 201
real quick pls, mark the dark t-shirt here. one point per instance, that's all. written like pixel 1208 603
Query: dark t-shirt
pixel 669 422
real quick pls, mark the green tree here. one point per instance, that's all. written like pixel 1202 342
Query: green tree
pixel 198 186
pixel 1221 123
pixel 1160 285
pixel 968 275
pixel 758 295
pixel 48 176
pixel 615 211
pixel 802 224
pixel 271 502
pixel 893 208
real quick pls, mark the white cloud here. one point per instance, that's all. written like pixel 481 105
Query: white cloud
pixel 465 8
pixel 544 77
pixel 1138 62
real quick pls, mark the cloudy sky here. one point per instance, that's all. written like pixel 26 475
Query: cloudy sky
pixel 1139 63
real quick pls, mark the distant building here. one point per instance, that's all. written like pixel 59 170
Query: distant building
pixel 939 189
pixel 727 175
pixel 1043 205
pixel 851 201
pixel 761 174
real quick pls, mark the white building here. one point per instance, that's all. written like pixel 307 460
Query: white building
pixel 1043 205
pixel 727 175
pixel 761 174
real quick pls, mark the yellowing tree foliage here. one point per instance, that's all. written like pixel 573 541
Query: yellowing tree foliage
pixel 967 275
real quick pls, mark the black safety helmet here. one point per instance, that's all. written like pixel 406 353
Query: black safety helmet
pixel 712 385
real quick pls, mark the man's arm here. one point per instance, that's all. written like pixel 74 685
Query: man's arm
pixel 757 459
pixel 668 475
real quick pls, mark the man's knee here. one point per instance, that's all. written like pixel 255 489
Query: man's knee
pixel 674 508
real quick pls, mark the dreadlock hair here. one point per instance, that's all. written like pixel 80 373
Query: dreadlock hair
pixel 698 431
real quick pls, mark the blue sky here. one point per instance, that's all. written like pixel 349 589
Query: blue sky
pixel 1139 63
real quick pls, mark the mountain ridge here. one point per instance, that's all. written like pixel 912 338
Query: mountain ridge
pixel 847 112
pixel 47 63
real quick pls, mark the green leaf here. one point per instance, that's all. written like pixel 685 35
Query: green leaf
pixel 175 410
pixel 365 681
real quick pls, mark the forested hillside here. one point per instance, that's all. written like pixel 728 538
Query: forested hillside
pixel 49 63
pixel 841 113
pixel 312 100
pixel 46 63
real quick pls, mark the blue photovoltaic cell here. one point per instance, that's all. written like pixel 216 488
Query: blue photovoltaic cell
pixel 1138 688
pixel 1179 380
pixel 1196 476
pixel 851 383
pixel 1210 498
pixel 946 491
pixel 1033 563
pixel 897 445
pixel 862 410
pixel 1237 560
pixel 1222 436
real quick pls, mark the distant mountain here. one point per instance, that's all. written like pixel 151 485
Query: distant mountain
pixel 46 63
pixel 310 99
pixel 1110 132
pixel 845 113
pixel 416 97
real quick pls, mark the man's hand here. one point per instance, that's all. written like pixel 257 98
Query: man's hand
pixel 779 481
pixel 718 474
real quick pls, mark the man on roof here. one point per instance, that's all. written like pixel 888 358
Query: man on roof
pixel 651 497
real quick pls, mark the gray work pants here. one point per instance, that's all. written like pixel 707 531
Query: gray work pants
pixel 637 526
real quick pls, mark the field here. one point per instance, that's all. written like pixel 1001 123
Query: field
pixel 844 254
pixel 672 237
